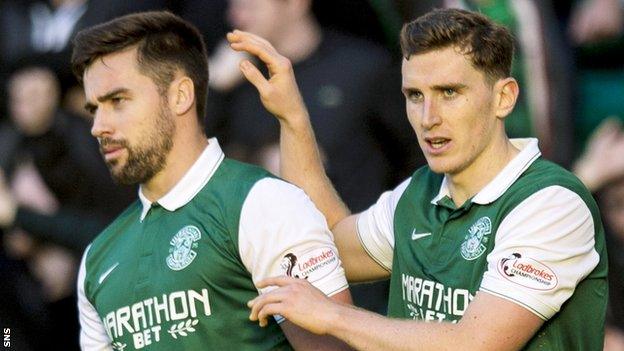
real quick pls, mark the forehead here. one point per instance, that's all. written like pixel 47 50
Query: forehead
pixel 119 69
pixel 439 67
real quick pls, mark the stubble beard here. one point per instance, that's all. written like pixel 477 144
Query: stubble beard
pixel 148 156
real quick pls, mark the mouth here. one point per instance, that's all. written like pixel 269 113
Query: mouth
pixel 437 145
pixel 111 152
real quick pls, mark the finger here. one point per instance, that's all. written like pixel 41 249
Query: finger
pixel 260 47
pixel 270 57
pixel 252 302
pixel 238 38
pixel 242 35
pixel 254 76
pixel 268 311
pixel 259 302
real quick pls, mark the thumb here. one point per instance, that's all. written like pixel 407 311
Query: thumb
pixel 254 76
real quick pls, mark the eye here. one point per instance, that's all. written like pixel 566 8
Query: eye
pixel 414 96
pixel 91 109
pixel 449 92
pixel 117 100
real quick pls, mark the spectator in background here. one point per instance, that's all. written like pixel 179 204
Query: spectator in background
pixel 596 31
pixel 66 157
pixel 601 168
pixel 56 197
pixel 39 31
pixel 352 90
pixel 350 86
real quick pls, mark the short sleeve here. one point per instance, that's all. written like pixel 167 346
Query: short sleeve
pixel 281 232
pixel 375 226
pixel 544 248
pixel 93 336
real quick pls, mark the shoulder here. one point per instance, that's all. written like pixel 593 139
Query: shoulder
pixel 238 176
pixel 546 177
pixel 274 195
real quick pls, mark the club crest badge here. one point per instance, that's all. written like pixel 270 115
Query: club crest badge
pixel 474 242
pixel 181 252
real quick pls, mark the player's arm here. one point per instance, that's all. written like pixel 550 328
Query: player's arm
pixel 552 229
pixel 300 158
pixel 92 333
pixel 490 322
pixel 358 264
pixel 300 161
pixel 281 232
pixel 302 339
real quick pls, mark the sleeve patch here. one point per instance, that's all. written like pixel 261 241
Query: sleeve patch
pixel 527 272
pixel 312 265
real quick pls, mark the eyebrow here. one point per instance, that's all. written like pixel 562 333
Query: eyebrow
pixel 89 106
pixel 409 90
pixel 454 86
pixel 438 87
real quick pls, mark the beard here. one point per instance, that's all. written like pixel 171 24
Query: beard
pixel 148 155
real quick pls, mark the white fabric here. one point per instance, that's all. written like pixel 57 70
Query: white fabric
pixel 191 183
pixel 375 226
pixel 553 231
pixel 278 218
pixel 93 336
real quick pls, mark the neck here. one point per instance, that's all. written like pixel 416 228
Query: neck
pixel 467 183
pixel 300 40
pixel 185 151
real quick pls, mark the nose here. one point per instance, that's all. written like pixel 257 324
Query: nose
pixel 101 125
pixel 430 116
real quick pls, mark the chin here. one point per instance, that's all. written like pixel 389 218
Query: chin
pixel 441 167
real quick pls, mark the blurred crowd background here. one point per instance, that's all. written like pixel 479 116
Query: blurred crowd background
pixel 56 193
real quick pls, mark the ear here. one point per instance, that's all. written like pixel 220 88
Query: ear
pixel 506 91
pixel 182 95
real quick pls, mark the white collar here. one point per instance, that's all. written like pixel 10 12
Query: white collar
pixel 191 183
pixel 529 152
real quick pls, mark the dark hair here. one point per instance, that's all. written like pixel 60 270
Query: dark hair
pixel 165 44
pixel 489 45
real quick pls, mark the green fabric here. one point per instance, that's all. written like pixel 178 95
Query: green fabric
pixel 202 279
pixel 447 281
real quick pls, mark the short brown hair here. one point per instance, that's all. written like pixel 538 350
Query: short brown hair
pixel 165 43
pixel 489 45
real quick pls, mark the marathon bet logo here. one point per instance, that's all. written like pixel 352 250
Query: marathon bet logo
pixel 474 243
pixel 145 322
pixel 181 252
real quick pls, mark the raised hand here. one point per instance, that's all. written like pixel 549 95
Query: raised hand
pixel 279 94
pixel 602 160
